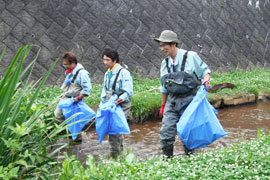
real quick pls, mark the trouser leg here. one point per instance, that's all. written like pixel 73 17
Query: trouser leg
pixel 168 129
pixel 59 115
pixel 116 144
pixel 181 108
pixel 174 108
pixel 116 141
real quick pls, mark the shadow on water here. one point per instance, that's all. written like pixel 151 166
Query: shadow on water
pixel 240 122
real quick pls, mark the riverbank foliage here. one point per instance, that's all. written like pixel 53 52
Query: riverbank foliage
pixel 246 160
pixel 147 98
pixel 27 130
pixel 145 101
pixel 29 134
pixel 254 81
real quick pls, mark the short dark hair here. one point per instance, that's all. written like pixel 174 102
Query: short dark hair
pixel 70 57
pixel 170 43
pixel 111 54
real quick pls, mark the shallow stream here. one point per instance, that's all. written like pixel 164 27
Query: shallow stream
pixel 241 123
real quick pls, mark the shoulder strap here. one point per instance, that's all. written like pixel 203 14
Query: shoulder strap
pixel 115 80
pixel 167 64
pixel 182 65
pixel 184 61
pixel 75 76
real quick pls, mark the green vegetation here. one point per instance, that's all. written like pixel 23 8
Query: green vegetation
pixel 26 129
pixel 246 82
pixel 248 160
pixel 147 98
pixel 145 102
pixel 29 135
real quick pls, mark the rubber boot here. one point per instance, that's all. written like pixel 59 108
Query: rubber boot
pixel 188 151
pixel 78 139
pixel 75 141
pixel 168 151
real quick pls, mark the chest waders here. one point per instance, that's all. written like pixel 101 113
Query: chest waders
pixel 124 105
pixel 70 90
pixel 180 82
pixel 174 108
pixel 116 141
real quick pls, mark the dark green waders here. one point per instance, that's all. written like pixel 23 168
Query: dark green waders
pixel 116 141
pixel 174 108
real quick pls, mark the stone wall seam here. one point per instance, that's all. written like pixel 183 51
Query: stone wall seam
pixel 226 34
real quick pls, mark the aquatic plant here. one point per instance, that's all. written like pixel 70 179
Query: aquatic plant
pixel 247 160
pixel 26 130
pixel 252 81
pixel 147 97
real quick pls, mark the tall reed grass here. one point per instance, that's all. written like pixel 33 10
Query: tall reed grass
pixel 26 131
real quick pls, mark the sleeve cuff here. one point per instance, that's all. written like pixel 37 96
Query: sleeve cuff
pixel 207 72
pixel 87 93
pixel 163 90
pixel 124 97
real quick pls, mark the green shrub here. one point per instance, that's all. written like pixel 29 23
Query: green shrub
pixel 246 160
pixel 26 127
pixel 146 100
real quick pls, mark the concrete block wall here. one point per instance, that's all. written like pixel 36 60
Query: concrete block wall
pixel 227 34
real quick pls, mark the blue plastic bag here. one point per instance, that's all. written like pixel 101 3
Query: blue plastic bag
pixel 67 81
pixel 70 108
pixel 198 126
pixel 111 119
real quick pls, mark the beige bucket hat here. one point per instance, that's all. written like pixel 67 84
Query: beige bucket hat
pixel 167 36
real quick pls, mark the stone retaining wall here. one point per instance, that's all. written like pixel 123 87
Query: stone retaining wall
pixel 227 34
pixel 234 100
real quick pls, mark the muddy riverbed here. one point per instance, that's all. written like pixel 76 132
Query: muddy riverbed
pixel 240 122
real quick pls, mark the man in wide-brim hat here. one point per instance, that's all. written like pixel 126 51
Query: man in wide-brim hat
pixel 173 104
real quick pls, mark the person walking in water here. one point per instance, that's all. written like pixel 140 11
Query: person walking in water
pixel 77 84
pixel 174 103
pixel 117 80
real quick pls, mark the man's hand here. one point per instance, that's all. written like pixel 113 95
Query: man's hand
pixel 161 110
pixel 206 80
pixel 78 98
pixel 118 101
pixel 206 84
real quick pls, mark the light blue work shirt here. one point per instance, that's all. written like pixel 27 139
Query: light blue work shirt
pixel 82 79
pixel 194 64
pixel 124 84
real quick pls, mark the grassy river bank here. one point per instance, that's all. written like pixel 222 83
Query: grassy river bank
pixel 245 160
pixel 147 97
pixel 29 135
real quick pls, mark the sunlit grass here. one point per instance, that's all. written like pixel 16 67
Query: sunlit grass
pixel 247 160
pixel 26 129
pixel 147 97
pixel 246 82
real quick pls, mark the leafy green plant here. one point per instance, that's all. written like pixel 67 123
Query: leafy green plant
pixel 147 97
pixel 254 80
pixel 246 160
pixel 25 130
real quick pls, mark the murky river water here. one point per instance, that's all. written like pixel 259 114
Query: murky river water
pixel 240 122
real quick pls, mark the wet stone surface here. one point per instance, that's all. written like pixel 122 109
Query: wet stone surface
pixel 241 123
